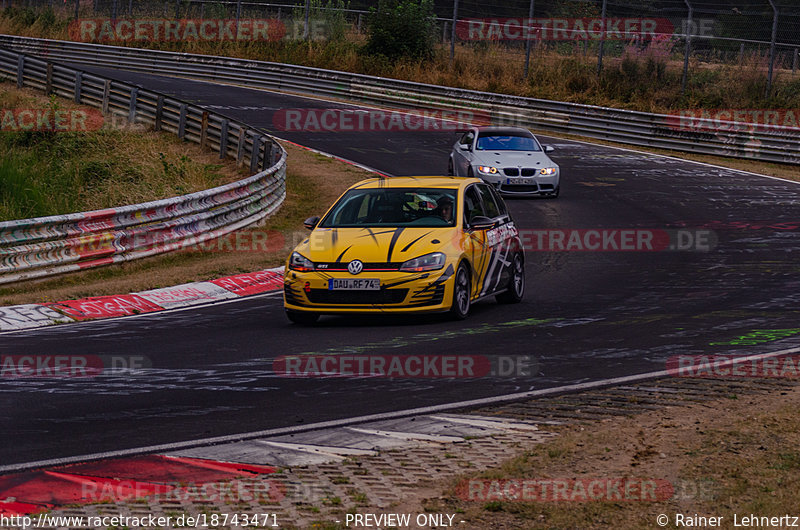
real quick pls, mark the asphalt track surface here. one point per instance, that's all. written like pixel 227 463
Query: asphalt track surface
pixel 586 315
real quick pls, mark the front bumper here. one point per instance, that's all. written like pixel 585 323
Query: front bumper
pixel 533 185
pixel 400 292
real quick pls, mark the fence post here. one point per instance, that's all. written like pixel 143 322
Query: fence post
pixel 529 39
pixel 78 83
pixel 106 95
pixel 238 16
pixel 689 28
pixel 772 47
pixel 114 10
pixel 453 31
pixel 182 122
pixel 305 20
pixel 240 147
pixel 203 129
pixel 77 8
pixel 159 113
pixel 223 139
pixel 602 39
pixel 20 71
pixel 132 105
pixel 254 151
pixel 48 87
pixel 794 60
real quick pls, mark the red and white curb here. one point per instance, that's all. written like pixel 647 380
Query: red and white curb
pixel 30 316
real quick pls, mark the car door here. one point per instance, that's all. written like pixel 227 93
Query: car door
pixel 497 240
pixel 476 247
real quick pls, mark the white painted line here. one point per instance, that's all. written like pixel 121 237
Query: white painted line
pixel 373 417
pixel 408 435
pixel 338 452
pixel 499 424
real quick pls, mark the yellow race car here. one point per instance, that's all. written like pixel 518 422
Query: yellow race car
pixel 406 245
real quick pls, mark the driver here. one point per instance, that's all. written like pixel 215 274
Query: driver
pixel 445 207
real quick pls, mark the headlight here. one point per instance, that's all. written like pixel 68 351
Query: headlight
pixel 487 170
pixel 298 262
pixel 548 170
pixel 428 262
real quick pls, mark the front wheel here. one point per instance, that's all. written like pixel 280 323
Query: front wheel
pixel 516 284
pixel 450 167
pixel 302 318
pixel 461 294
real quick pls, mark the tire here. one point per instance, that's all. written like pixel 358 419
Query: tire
pixel 516 284
pixel 450 167
pixel 459 308
pixel 302 318
pixel 555 193
pixel 470 173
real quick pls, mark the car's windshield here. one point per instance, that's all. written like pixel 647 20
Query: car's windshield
pixel 423 207
pixel 502 142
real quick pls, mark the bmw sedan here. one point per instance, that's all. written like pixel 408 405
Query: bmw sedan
pixel 511 159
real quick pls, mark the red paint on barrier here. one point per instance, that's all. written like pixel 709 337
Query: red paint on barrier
pixel 105 306
pixel 19 508
pixel 251 283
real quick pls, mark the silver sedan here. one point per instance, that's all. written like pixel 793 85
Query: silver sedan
pixel 509 158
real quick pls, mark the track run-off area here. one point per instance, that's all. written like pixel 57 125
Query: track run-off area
pixel 728 285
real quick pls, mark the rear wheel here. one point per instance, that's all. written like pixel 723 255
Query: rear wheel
pixel 461 294
pixel 302 318
pixel 516 284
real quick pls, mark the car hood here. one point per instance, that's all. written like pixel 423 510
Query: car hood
pixel 513 158
pixel 374 245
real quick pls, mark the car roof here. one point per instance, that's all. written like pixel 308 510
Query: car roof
pixel 415 182
pixel 511 131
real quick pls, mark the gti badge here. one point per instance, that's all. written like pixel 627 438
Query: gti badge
pixel 355 267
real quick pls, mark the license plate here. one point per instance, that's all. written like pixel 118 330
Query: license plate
pixel 520 181
pixel 354 284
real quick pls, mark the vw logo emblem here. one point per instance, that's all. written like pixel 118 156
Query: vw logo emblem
pixel 355 267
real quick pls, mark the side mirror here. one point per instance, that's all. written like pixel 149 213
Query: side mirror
pixel 480 222
pixel 464 147
pixel 311 222
pixel 549 148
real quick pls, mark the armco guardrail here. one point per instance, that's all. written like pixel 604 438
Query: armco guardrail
pixel 33 248
pixel 733 139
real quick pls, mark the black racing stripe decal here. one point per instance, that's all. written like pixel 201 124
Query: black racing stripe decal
pixel 393 242
pixel 339 259
pixel 334 238
pixel 405 248
pixel 448 272
pixel 373 234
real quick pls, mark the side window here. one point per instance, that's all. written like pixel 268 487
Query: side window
pixel 501 204
pixel 472 205
pixel 489 206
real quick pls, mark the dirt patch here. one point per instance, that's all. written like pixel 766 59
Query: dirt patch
pixel 735 456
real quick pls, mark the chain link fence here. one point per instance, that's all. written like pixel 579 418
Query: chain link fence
pixel 687 34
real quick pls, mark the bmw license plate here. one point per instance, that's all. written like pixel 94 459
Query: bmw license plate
pixel 520 181
pixel 354 284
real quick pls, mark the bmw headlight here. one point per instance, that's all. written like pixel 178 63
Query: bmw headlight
pixel 428 262
pixel 487 170
pixel 548 170
pixel 298 262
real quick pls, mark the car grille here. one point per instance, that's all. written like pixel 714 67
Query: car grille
pixel 384 296
pixel 515 172
pixel 342 266
pixel 520 188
